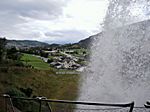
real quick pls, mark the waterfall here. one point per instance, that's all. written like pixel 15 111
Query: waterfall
pixel 119 68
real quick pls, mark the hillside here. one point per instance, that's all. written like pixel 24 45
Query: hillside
pixel 25 43
pixel 28 82
pixel 86 43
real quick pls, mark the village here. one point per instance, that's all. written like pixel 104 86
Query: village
pixel 74 59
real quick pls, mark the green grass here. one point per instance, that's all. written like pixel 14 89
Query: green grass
pixel 34 61
pixel 42 80
pixel 43 83
pixel 80 52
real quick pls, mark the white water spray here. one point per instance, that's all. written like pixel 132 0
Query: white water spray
pixel 119 70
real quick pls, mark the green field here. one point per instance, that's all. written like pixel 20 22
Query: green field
pixel 35 62
pixel 39 64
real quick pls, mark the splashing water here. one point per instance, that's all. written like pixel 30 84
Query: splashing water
pixel 119 70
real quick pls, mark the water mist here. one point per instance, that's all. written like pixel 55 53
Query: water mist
pixel 119 68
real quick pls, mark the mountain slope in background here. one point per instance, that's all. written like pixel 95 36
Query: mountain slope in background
pixel 25 43
pixel 87 43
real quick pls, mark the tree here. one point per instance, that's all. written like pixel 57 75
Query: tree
pixel 50 60
pixel 27 91
pixel 3 43
pixel 43 54
pixel 13 54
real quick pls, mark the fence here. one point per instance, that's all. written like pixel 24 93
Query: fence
pixel 42 104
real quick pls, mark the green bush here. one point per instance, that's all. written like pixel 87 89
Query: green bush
pixel 19 63
pixel 22 105
pixel 15 92
pixel 27 92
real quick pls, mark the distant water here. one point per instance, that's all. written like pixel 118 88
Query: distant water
pixel 119 70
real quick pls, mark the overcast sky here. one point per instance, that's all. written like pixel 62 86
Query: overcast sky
pixel 52 21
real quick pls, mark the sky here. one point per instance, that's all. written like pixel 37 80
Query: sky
pixel 51 21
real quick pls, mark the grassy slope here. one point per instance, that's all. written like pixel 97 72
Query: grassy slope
pixel 35 62
pixel 39 64
pixel 42 80
pixel 43 83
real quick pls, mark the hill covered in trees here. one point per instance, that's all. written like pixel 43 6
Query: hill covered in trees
pixel 25 43
pixel 85 43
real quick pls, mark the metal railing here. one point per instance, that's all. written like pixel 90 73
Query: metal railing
pixel 40 100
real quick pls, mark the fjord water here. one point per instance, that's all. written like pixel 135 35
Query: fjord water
pixel 119 68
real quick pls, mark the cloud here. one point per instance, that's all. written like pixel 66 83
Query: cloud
pixel 51 20
pixel 14 14
pixel 37 9
pixel 67 36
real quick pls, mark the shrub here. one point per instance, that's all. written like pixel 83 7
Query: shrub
pixel 15 92
pixel 50 60
pixel 27 92
pixel 19 63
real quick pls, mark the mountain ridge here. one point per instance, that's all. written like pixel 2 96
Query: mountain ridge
pixel 34 43
pixel 25 43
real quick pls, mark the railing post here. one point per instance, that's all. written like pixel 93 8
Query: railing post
pixel 5 104
pixel 131 107
pixel 147 105
pixel 6 96
pixel 49 107
pixel 40 105
pixel 11 104
pixel 5 99
pixel 40 100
